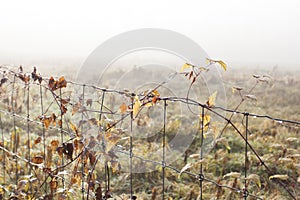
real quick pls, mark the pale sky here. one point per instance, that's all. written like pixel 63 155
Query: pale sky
pixel 237 31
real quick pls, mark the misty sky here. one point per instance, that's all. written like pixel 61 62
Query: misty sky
pixel 237 31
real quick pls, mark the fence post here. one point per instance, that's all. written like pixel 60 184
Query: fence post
pixel 245 192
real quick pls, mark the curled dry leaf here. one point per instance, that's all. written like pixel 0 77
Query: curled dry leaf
pixel 186 167
pixel 223 141
pixel 232 175
pixel 212 99
pixel 220 62
pixel 54 85
pixel 255 178
pixel 279 176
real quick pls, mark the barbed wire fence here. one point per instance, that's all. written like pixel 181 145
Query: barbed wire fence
pixel 47 147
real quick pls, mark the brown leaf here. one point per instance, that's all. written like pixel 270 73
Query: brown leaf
pixel 46 121
pixel 54 144
pixel 154 100
pixel 99 193
pixel 68 150
pixel 73 128
pixel 123 108
pixel 60 151
pixel 63 109
pixel 53 185
pixel 37 160
pixel 92 159
pixel 37 140
pixel 61 83
pixel 89 102
pixel 76 107
pixel 60 123
pixel 52 84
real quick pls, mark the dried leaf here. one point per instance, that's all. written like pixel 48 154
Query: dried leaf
pixel 37 159
pixel 223 141
pixel 99 193
pixel 61 83
pixel 206 120
pixel 68 150
pixel 155 93
pixel 89 102
pixel 123 108
pixel 220 62
pixel 53 185
pixel 186 167
pixel 73 128
pixel 279 176
pixel 212 99
pixel 76 107
pixel 63 109
pixel 195 156
pixel 37 140
pixel 255 178
pixel 136 106
pixel 285 160
pixel 233 175
pixel 251 97
pixel 233 89
pixel 52 84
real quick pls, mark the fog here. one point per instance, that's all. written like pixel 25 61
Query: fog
pixel 242 33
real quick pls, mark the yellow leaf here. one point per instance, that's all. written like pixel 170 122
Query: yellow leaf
pixel 279 176
pixel 206 120
pixel 220 62
pixel 223 65
pixel 185 66
pixel 136 106
pixel 212 99
pixel 155 93
pixel 223 141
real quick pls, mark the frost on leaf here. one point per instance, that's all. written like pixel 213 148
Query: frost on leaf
pixel 220 62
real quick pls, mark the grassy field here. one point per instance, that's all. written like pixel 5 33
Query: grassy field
pixel 68 159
